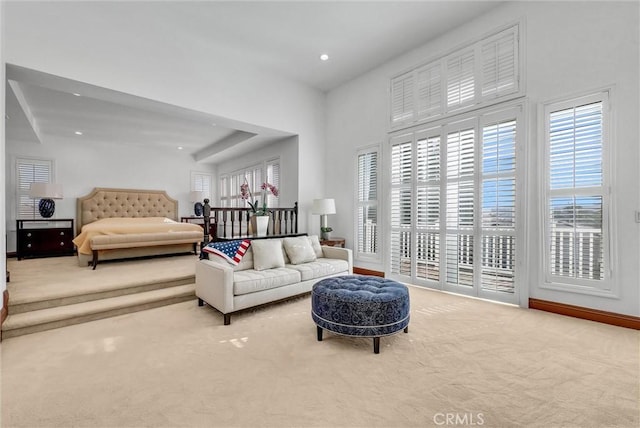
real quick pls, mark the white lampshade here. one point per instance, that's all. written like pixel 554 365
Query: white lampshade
pixel 46 190
pixel 196 196
pixel 324 206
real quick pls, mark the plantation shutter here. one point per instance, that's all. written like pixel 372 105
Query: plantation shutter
pixel 498 206
pixel 460 79
pixel 500 64
pixel 429 88
pixel 30 171
pixel 225 184
pixel 201 182
pixel 402 99
pixel 367 205
pixel 273 177
pixel 576 192
pixel 428 169
pixel 401 209
pixel 460 188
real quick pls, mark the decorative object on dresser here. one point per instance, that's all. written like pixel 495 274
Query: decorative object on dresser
pixel 124 209
pixel 323 207
pixel 197 197
pixel 47 192
pixel 44 238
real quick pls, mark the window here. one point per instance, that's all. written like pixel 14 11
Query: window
pixel 273 177
pixel 230 184
pixel 576 199
pixel 367 233
pixel 30 171
pixel 201 182
pixel 485 71
pixel 453 204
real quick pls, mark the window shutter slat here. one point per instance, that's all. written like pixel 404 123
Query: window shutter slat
pixel 402 98
pixel 500 63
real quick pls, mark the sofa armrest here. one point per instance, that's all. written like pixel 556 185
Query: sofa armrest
pixel 214 284
pixel 339 253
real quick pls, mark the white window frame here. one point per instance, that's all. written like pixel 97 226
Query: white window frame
pixel 202 182
pixel 375 256
pixel 22 192
pixel 476 120
pixel 255 174
pixel 412 100
pixel 607 286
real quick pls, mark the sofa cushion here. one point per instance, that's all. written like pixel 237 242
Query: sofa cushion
pixel 246 262
pixel 299 250
pixel 250 281
pixel 315 244
pixel 267 254
pixel 320 267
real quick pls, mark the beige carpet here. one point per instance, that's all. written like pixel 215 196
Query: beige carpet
pixel 464 362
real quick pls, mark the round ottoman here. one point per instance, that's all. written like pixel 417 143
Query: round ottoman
pixel 363 306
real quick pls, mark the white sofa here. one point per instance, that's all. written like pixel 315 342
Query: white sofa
pixel 271 269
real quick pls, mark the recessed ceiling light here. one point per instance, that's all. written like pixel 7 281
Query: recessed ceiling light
pixel 76 94
pixel 78 132
pixel 324 57
pixel 180 147
pixel 214 124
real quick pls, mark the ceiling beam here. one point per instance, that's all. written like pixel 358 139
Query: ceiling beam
pixel 222 145
pixel 17 91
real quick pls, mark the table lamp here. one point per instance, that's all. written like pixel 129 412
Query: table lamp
pixel 47 192
pixel 324 207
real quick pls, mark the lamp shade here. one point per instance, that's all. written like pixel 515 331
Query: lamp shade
pixel 46 190
pixel 324 206
pixel 196 196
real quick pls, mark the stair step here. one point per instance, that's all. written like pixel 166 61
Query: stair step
pixel 55 317
pixel 54 298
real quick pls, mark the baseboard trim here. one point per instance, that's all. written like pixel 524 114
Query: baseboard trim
pixel 362 271
pixel 5 310
pixel 605 317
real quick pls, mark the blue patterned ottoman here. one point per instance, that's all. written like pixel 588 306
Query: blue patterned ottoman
pixel 362 306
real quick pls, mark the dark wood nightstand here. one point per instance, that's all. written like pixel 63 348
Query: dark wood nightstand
pixel 333 242
pixel 44 238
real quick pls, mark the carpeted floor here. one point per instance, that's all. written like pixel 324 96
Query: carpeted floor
pixel 465 362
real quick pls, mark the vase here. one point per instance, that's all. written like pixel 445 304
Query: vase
pixel 259 225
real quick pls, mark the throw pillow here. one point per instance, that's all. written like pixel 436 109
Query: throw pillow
pixel 315 244
pixel 299 250
pixel 267 254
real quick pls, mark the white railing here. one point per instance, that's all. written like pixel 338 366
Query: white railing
pixel 576 252
pixel 369 238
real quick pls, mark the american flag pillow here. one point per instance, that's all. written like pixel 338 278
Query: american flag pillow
pixel 231 251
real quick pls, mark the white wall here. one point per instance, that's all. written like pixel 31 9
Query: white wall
pixel 3 281
pixel 570 47
pixel 106 44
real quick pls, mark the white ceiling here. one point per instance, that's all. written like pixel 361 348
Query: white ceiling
pixel 285 38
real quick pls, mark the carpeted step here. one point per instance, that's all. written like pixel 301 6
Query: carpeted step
pixel 60 296
pixel 55 317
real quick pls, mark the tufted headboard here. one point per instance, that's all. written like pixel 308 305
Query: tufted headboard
pixel 107 203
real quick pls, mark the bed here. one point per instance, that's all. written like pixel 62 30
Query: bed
pixel 126 223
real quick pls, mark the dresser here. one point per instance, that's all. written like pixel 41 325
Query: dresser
pixel 44 238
